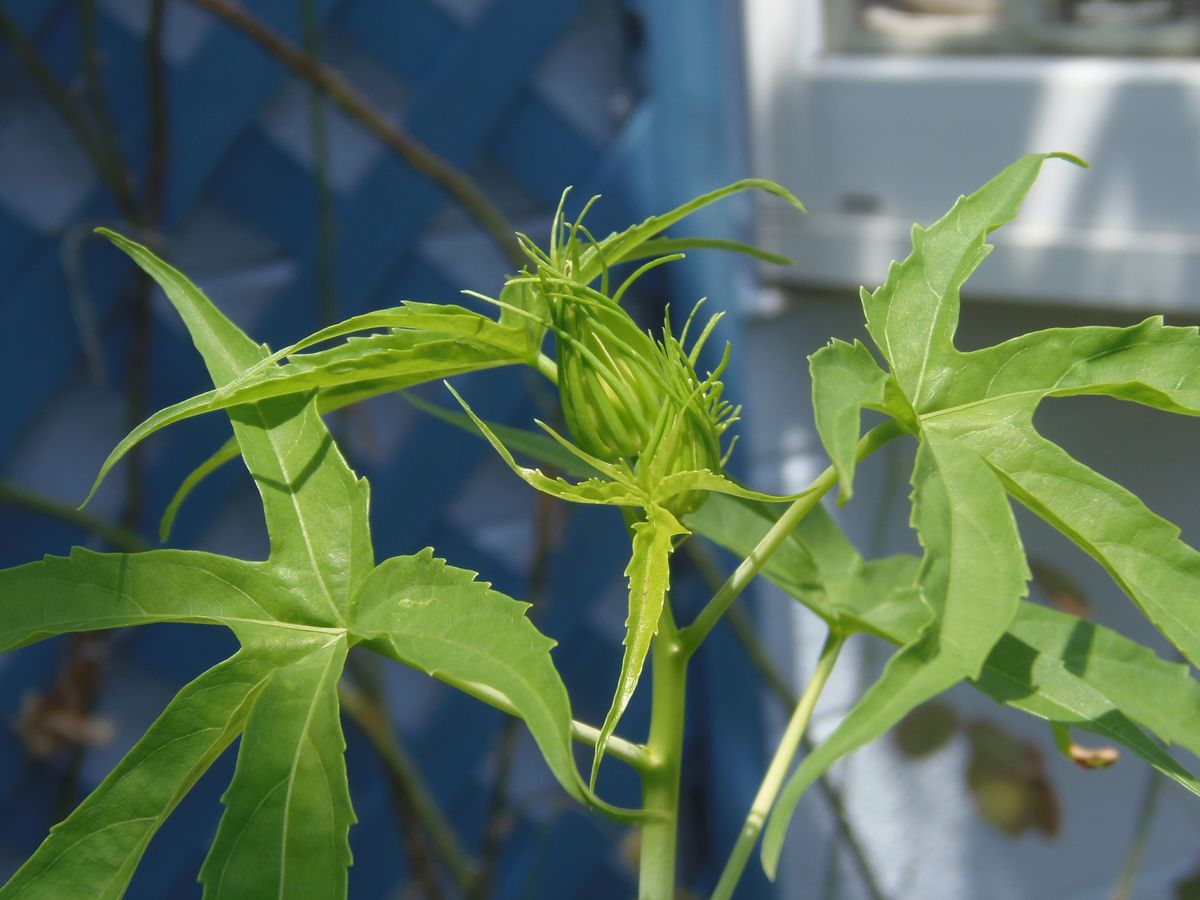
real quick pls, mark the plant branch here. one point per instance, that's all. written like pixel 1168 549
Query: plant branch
pixel 107 134
pixel 118 537
pixel 66 105
pixel 371 721
pixel 832 796
pixel 547 367
pixel 789 744
pixel 1141 834
pixel 660 784
pixel 449 177
pixel 159 130
pixel 319 141
pixel 693 635
pixel 743 630
pixel 634 755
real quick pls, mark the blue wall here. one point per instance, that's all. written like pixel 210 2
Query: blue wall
pixel 614 98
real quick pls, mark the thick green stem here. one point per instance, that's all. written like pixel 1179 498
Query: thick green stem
pixel 628 752
pixel 777 771
pixel 693 635
pixel 547 367
pixel 660 782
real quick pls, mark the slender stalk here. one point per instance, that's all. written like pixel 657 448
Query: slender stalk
pixel 660 782
pixel 634 755
pixel 108 136
pixel 693 635
pixel 114 535
pixel 145 215
pixel 743 630
pixel 62 100
pixel 159 132
pixel 438 170
pixel 368 717
pixel 773 781
pixel 319 141
pixel 70 110
pixel 847 836
pixel 1141 834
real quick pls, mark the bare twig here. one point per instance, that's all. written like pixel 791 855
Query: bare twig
pixel 500 815
pixel 108 136
pixel 1141 833
pixel 61 100
pixel 159 130
pixel 429 164
pixel 318 139
pixel 114 535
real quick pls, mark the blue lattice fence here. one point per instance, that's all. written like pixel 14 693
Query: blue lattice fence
pixel 529 97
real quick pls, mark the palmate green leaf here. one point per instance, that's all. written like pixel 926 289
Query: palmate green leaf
pixel 649 574
pixel 973 572
pixel 360 368
pixel 90 591
pixel 846 379
pixel 426 318
pixel 441 620
pixel 94 852
pixel 287 810
pixel 1049 664
pixel 315 507
pixel 533 703
pixel 986 400
pixel 288 814
pixel 320 551
pixel 973 415
pixel 1162 696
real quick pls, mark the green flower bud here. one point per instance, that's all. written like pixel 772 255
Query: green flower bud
pixel 626 396
pixel 688 436
pixel 607 375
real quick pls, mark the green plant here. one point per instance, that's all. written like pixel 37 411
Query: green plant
pixel 646 430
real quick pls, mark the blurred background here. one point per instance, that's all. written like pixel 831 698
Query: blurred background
pixel 306 160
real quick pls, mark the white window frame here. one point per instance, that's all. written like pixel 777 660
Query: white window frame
pixel 875 142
